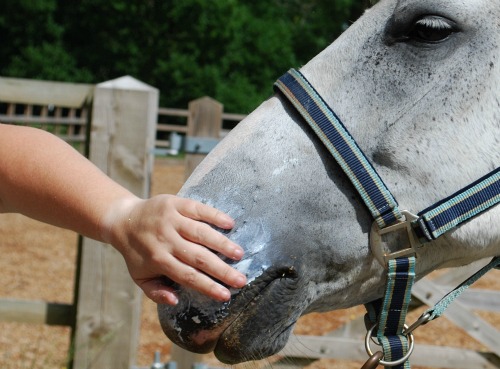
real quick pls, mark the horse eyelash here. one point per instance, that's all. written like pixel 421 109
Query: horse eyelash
pixel 434 22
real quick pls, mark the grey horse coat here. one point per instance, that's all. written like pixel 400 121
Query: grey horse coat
pixel 417 85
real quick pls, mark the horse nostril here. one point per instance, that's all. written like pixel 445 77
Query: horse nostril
pixel 289 272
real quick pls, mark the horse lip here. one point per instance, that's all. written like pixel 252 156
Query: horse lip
pixel 207 339
pixel 253 290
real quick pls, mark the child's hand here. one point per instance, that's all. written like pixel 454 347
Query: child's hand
pixel 164 236
pixel 46 179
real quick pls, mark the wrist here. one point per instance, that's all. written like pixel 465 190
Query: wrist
pixel 115 222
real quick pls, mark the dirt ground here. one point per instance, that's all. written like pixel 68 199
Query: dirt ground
pixel 38 263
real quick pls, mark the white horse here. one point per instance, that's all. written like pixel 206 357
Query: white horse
pixel 416 82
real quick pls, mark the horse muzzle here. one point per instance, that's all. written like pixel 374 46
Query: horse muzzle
pixel 234 331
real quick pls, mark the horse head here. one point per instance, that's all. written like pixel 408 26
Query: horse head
pixel 416 82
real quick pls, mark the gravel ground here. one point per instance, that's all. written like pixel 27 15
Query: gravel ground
pixel 37 263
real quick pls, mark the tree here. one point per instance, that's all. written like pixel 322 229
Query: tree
pixel 228 49
pixel 222 48
pixel 32 46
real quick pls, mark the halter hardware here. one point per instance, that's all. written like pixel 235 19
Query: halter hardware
pixel 407 240
pixel 377 358
pixel 400 361
pixel 388 314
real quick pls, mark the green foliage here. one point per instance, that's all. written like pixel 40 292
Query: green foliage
pixel 228 49
pixel 31 46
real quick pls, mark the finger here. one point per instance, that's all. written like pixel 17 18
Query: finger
pixel 198 211
pixel 205 235
pixel 188 276
pixel 155 290
pixel 209 263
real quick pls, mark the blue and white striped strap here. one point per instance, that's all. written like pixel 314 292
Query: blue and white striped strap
pixel 375 194
pixel 461 206
pixel 432 222
pixel 389 313
pixel 401 276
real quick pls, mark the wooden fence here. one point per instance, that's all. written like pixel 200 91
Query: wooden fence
pixel 346 342
pixel 70 123
pixel 113 123
pixel 120 109
pixel 61 108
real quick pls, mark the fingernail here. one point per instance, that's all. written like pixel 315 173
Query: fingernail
pixel 171 299
pixel 227 221
pixel 224 294
pixel 240 281
pixel 238 254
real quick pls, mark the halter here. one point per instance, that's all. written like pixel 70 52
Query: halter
pixel 388 315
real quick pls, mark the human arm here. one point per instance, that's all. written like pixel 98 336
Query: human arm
pixel 46 179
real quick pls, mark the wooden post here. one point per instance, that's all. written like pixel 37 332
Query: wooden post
pixel 108 301
pixel 205 121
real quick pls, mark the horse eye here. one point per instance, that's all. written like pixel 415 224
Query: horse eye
pixel 431 29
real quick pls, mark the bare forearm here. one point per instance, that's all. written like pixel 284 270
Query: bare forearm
pixel 46 179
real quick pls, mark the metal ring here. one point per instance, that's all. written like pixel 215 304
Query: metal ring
pixel 389 363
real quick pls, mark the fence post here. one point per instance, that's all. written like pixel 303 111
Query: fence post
pixel 122 139
pixel 204 120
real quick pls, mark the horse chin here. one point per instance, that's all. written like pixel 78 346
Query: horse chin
pixel 243 341
pixel 207 325
pixel 249 337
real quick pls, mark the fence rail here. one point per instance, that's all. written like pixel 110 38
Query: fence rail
pixel 164 114
pixel 70 123
pixel 37 312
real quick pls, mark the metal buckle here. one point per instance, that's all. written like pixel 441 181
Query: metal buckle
pixel 410 245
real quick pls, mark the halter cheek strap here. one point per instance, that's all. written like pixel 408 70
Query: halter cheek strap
pixel 330 130
pixel 389 313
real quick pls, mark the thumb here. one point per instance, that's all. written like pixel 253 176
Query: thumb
pixel 155 290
